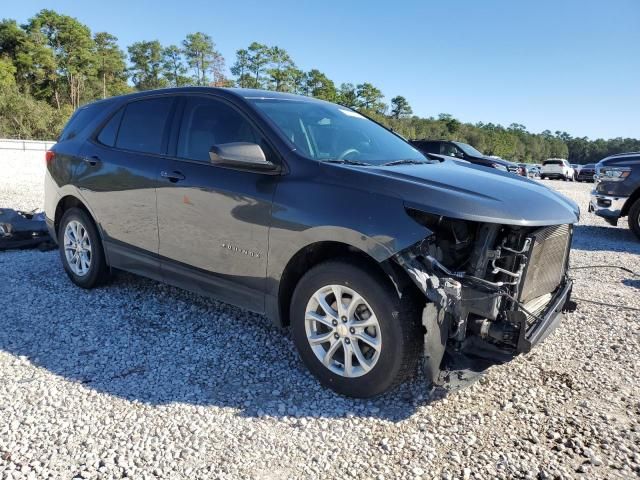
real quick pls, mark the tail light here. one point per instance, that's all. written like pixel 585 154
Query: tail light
pixel 49 156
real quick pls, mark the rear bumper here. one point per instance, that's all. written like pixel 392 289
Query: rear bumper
pixel 535 333
pixel 607 206
pixel 588 176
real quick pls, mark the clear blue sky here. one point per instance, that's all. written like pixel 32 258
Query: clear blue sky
pixel 571 65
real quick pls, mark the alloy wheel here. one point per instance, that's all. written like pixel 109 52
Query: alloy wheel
pixel 343 331
pixel 77 248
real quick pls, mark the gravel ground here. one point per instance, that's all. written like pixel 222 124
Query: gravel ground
pixel 141 380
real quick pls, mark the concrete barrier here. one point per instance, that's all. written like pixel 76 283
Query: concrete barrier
pixel 25 145
pixel 22 168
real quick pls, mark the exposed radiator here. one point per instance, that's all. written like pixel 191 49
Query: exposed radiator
pixel 547 263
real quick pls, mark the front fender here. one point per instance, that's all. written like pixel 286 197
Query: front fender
pixel 307 212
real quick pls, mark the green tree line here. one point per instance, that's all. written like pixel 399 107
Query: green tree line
pixel 53 64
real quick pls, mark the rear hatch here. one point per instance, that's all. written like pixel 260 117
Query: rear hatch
pixel 554 167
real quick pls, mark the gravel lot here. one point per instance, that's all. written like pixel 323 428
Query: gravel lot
pixel 141 380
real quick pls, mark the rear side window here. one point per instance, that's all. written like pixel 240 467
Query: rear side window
pixel 143 124
pixel 109 132
pixel 207 122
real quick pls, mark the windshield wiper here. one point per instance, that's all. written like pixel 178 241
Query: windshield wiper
pixel 347 162
pixel 408 162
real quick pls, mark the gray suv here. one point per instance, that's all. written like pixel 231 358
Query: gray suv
pixel 317 217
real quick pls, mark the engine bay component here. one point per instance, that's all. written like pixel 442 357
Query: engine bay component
pixel 489 283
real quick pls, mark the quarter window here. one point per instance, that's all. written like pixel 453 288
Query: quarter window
pixel 207 122
pixel 80 119
pixel 109 132
pixel 143 124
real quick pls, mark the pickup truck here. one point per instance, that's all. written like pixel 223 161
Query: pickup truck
pixel 617 191
pixel 557 168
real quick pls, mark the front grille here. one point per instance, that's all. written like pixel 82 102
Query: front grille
pixel 547 262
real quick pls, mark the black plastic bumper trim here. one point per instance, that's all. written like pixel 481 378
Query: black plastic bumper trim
pixel 551 319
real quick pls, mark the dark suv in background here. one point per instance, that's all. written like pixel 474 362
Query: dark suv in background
pixel 463 151
pixel 617 192
pixel 317 217
pixel 586 173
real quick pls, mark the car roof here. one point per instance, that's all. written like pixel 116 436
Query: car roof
pixel 244 93
pixel 625 154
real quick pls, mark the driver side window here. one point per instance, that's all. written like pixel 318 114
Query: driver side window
pixel 450 150
pixel 207 122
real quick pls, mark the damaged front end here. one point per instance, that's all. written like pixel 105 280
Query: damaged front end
pixel 493 291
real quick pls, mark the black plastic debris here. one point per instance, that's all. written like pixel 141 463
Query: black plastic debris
pixel 23 230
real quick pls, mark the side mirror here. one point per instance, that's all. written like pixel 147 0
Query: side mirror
pixel 240 155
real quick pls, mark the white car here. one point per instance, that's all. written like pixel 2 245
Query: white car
pixel 557 168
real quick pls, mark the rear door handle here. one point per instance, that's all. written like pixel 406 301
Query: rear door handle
pixel 172 176
pixel 92 160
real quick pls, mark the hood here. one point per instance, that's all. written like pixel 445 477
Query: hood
pixel 475 193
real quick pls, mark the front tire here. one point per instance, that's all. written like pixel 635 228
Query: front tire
pixel 352 330
pixel 81 249
pixel 634 218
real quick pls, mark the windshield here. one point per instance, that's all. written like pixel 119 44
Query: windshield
pixel 469 150
pixel 327 132
pixel 590 165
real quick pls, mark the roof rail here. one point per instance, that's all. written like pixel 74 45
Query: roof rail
pixel 625 153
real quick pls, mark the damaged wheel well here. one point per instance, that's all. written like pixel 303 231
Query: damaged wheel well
pixel 319 252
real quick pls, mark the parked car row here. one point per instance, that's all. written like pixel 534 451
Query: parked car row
pixel 532 170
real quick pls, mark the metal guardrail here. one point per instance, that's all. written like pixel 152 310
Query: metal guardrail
pixel 25 145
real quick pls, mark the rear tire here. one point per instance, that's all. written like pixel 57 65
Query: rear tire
pixel 81 249
pixel 325 333
pixel 634 218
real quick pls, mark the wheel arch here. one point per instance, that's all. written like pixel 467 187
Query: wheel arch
pixel 64 204
pixel 318 252
pixel 629 203
pixel 72 201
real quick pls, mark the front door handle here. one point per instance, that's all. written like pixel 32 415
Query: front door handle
pixel 92 160
pixel 172 176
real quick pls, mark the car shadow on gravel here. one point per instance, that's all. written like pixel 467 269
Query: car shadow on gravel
pixel 147 342
pixel 595 238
